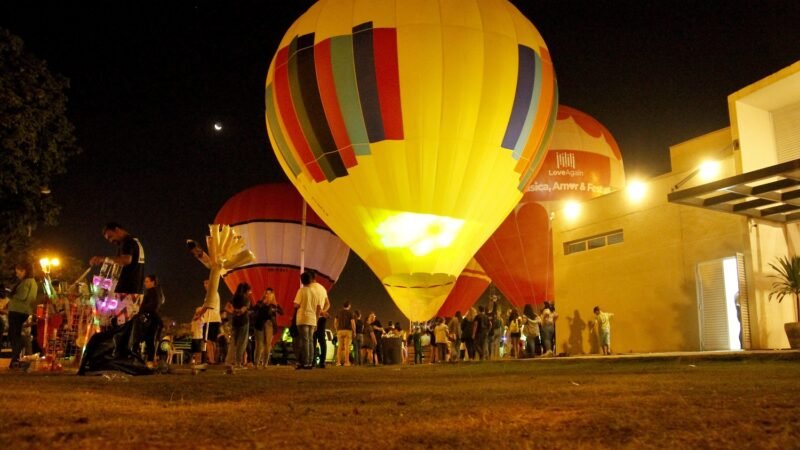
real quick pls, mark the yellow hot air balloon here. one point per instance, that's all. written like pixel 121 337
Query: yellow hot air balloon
pixel 412 127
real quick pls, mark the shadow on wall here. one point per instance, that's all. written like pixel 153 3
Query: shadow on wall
pixel 686 320
pixel 574 344
pixel 594 337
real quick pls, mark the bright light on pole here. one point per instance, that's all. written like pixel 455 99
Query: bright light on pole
pixel 48 264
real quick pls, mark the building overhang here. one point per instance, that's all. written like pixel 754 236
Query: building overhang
pixel 771 194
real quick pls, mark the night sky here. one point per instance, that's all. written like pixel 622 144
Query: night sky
pixel 149 80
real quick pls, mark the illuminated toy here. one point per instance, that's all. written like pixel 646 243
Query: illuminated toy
pixel 412 128
pixel 103 285
pixel 226 251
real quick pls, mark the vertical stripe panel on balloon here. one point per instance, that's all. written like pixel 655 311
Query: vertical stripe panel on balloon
pixel 277 132
pixel 283 96
pixel 536 164
pixel 388 79
pixel 363 49
pixel 545 116
pixel 343 68
pixel 522 99
pixel 536 94
pixel 306 95
pixel 327 93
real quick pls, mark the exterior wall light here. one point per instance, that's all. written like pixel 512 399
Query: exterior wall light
pixel 572 210
pixel 636 190
pixel 708 170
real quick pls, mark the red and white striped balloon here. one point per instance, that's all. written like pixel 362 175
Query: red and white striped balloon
pixel 269 217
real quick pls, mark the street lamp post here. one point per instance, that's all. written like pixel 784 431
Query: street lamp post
pixel 47 265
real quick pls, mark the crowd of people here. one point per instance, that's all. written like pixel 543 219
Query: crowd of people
pixel 242 333
pixel 487 334
pixel 248 326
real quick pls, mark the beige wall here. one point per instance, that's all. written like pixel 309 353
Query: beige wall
pixel 648 281
pixel 769 241
pixel 756 132
pixel 715 146
pixel 750 110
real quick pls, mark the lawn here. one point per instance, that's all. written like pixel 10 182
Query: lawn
pixel 557 403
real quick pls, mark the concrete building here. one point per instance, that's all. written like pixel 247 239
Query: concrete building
pixel 682 260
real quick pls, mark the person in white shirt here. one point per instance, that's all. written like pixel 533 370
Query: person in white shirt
pixel 197 336
pixel 210 313
pixel 311 301
pixel 604 329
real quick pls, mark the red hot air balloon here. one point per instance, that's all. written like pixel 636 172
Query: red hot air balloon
pixel 269 217
pixel 583 161
pixel 469 287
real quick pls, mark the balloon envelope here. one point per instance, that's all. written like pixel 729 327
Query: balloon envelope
pixel 269 217
pixel 472 282
pixel 583 162
pixel 412 127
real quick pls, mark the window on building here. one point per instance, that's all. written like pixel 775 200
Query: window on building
pixel 597 242
pixel 593 242
pixel 615 238
pixel 574 247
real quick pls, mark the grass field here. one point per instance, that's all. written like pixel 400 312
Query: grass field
pixel 578 403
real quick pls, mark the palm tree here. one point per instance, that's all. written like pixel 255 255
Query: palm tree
pixel 788 280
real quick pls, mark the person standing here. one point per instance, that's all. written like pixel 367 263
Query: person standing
pixel 197 337
pixel 399 331
pixel 273 310
pixel 310 301
pixel 147 323
pixel 495 334
pixel 130 256
pixel 20 308
pixel 210 312
pixel 259 316
pixel 604 329
pixel 440 331
pixel 240 324
pixel 514 333
pixel 454 330
pixel 321 339
pixel 531 328
pixel 345 325
pixel 548 331
pixel 416 338
pixel 358 337
pixel 271 325
pixel 378 331
pixel 467 325
pixel 480 333
pixel 368 341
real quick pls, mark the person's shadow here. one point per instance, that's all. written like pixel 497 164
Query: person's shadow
pixel 594 342
pixel 575 340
